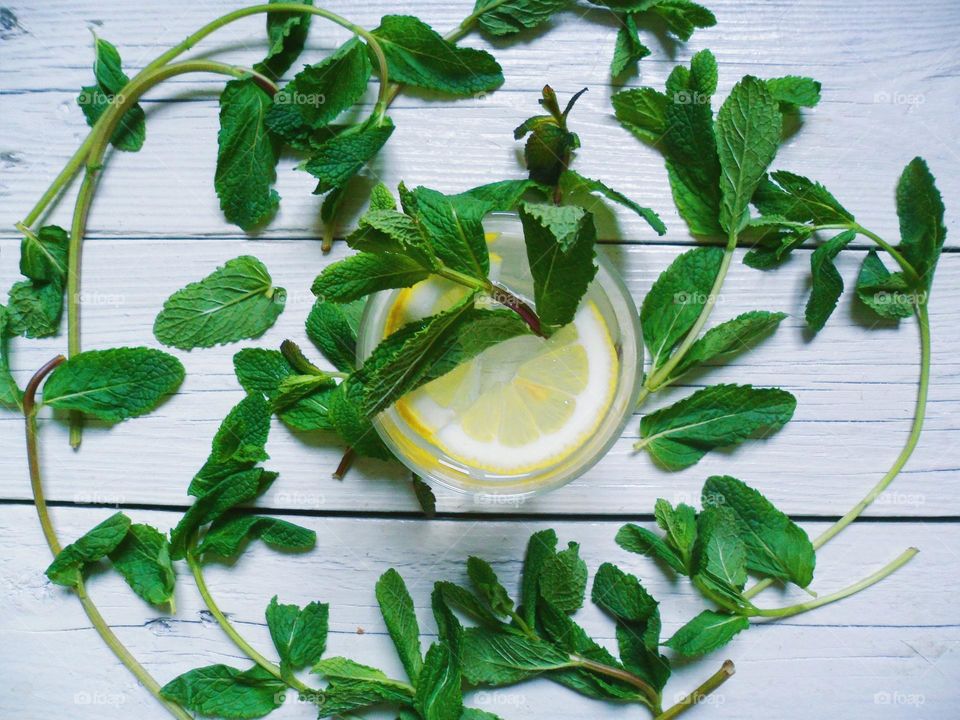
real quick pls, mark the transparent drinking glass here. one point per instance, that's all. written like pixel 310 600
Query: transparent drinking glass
pixel 616 307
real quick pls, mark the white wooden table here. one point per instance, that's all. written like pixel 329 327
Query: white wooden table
pixel 891 79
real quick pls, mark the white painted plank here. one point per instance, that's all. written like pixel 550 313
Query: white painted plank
pixel 855 386
pixel 897 640
pixel 889 78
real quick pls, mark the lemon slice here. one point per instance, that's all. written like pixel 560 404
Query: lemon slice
pixel 525 404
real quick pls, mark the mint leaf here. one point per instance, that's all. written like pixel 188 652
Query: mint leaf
pixel 628 50
pixel 547 152
pixel 417 55
pixel 729 338
pixel 299 634
pixel 511 16
pixel 642 111
pixel 622 595
pixel 492 658
pixel 345 696
pixel 798 199
pixel 717 416
pixel 320 92
pixel 748 133
pixel 574 181
pixel 294 389
pixel 673 304
pixel 920 209
pixel 389 231
pixel 680 524
pixel 485 582
pixel 239 443
pixel 228 534
pixel 67 567
pixel 235 302
pixel 246 157
pixel 560 249
pixel 794 90
pixel 682 16
pixel 720 555
pixel 500 195
pixel 453 226
pixel 223 691
pixel 113 385
pixel 43 255
pixel 636 539
pixel 261 371
pixel 286 34
pixel 425 497
pixel 341 157
pixel 94 100
pixel 776 546
pixel 396 606
pixel 346 412
pixel 340 668
pixel 827 283
pixel 708 631
pixel 439 695
pixel 381 198
pixel 464 600
pixel 143 558
pixel 11 397
pixel 540 548
pixel 888 294
pixel 563 579
pixel 773 248
pixel 366 273
pixel 35 308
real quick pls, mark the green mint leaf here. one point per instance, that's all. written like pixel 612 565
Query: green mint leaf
pixel 365 273
pixel 673 304
pixel 294 389
pixel 143 558
pixel 798 199
pixel 346 412
pixel 396 606
pixel 541 547
pixel 792 90
pixel 776 546
pixel 642 111
pixel 888 294
pixel 683 16
pixel 11 397
pixel 226 494
pixel 678 436
pixel 246 157
pixel 485 582
pixel 239 443
pixel 708 631
pixel 729 338
pixel 341 157
pixel 501 195
pixel 113 385
pixel 449 629
pixel 94 100
pixel 511 16
pixel 346 696
pixel 389 231
pixel 43 255
pixel 67 567
pixel 320 92
pixel 827 285
pixel 228 535
pixel 636 539
pixel 261 371
pixel 774 248
pixel 235 302
pixel 417 55
pixel 573 181
pixel 381 198
pixel 680 524
pixel 340 668
pixel 548 147
pixel 299 634
pixel 920 209
pixel 560 244
pixel 35 308
pixel 473 606
pixel 748 133
pixel 491 658
pixel 476 714
pixel 690 146
pixel 720 554
pixel 439 695
pixel 453 226
pixel 563 579
pixel 425 497
pixel 286 35
pixel 225 692
pixel 628 50
pixel 622 595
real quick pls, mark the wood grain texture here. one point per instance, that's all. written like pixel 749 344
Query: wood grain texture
pixel 881 643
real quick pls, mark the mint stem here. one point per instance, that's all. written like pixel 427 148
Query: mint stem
pixel 651 696
pixel 50 535
pixel 345 462
pixel 725 672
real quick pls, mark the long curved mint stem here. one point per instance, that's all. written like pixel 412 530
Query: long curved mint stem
pixel 725 672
